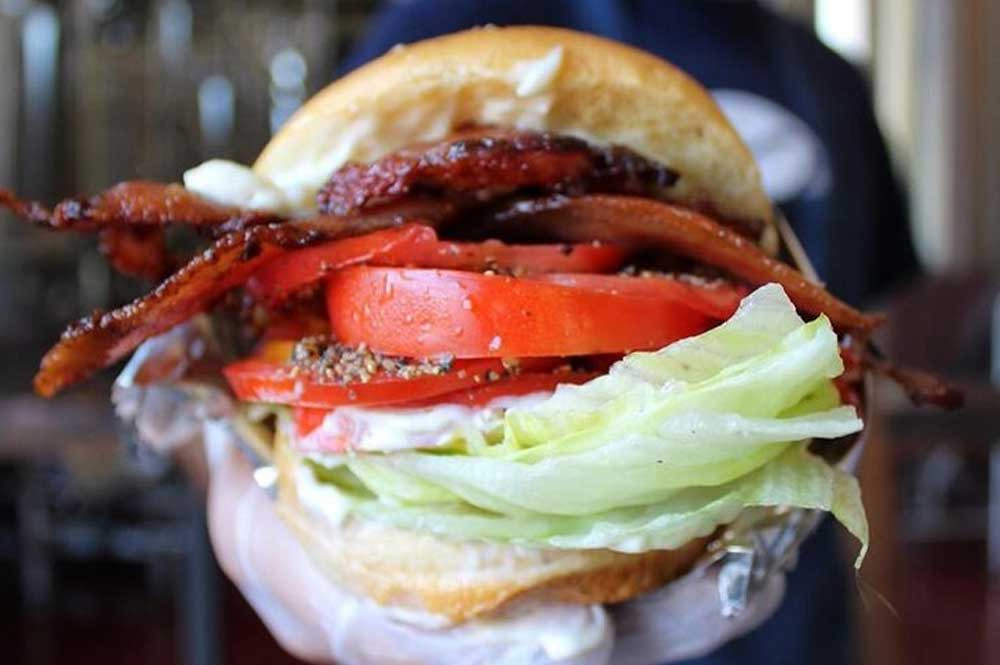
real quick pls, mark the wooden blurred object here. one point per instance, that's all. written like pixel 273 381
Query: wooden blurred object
pixel 881 631
pixel 925 479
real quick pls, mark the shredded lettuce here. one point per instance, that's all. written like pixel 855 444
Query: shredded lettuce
pixel 666 447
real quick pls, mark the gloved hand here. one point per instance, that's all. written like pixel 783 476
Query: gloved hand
pixel 318 622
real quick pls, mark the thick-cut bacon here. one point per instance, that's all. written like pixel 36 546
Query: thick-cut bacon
pixel 650 224
pixel 486 163
pixel 102 338
pixel 138 204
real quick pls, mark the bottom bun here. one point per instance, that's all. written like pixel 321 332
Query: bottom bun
pixel 457 580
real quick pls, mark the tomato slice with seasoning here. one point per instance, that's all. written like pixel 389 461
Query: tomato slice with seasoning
pixel 422 313
pixel 263 379
pixel 256 380
pixel 418 245
pixel 308 419
pixel 512 386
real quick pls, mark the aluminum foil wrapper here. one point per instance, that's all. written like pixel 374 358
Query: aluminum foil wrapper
pixel 168 391
pixel 737 585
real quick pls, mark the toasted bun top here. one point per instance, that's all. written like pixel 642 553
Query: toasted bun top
pixel 533 78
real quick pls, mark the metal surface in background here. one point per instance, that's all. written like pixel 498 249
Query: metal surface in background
pixel 97 91
pixel 10 100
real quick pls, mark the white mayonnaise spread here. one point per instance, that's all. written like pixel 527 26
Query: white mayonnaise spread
pixel 533 77
pixel 322 501
pixel 232 184
pixel 389 429
pixel 522 99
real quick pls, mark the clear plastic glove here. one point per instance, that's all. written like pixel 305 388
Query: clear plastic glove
pixel 318 622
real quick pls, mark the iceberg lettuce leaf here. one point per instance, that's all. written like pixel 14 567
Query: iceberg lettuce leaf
pixel 793 478
pixel 667 446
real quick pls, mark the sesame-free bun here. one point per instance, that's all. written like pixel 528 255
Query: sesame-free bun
pixel 534 78
pixel 458 580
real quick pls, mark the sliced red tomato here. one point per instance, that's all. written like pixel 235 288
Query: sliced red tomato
pixel 262 379
pixel 716 299
pixel 308 419
pixel 423 313
pixel 255 380
pixel 279 278
pixel 514 386
pixel 417 245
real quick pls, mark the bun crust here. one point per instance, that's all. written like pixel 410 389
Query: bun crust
pixel 460 580
pixel 534 78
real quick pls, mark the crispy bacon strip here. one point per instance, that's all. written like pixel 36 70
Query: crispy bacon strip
pixel 140 252
pixel 651 224
pixel 138 204
pixel 131 217
pixel 32 211
pixel 921 387
pixel 486 163
pixel 102 338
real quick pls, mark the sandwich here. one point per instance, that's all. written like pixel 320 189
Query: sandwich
pixel 514 319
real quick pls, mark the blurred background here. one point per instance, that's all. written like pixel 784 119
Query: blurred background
pixel 103 554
